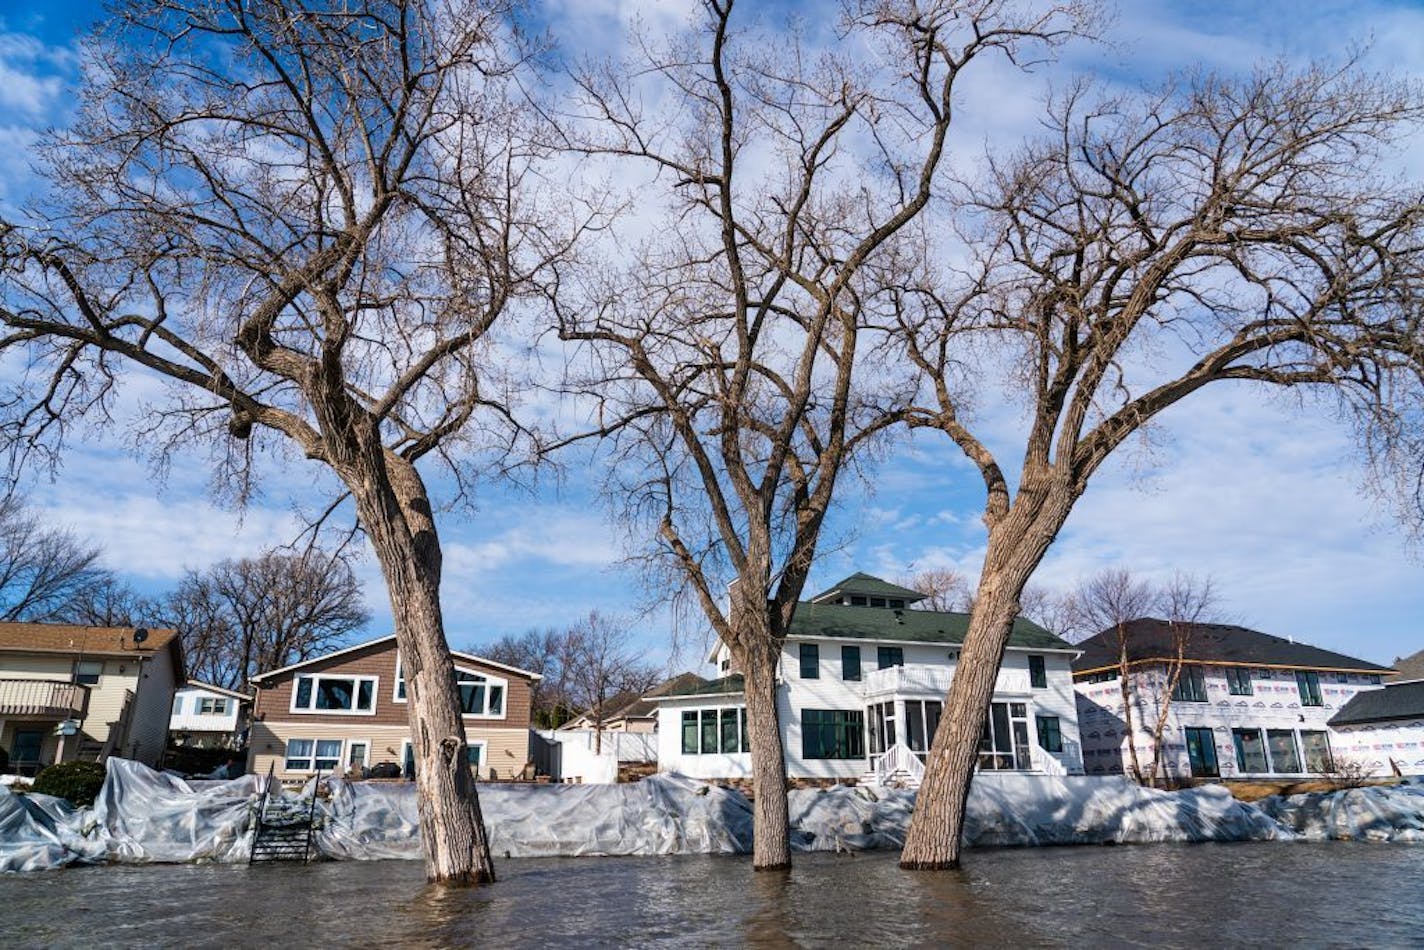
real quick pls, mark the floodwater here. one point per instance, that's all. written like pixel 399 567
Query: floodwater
pixel 1318 895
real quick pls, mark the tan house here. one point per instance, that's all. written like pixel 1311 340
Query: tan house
pixel 347 710
pixel 70 692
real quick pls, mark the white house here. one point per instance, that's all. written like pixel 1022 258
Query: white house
pixel 863 678
pixel 1382 730
pixel 209 717
pixel 1246 703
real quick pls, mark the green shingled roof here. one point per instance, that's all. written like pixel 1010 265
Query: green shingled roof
pixel 865 584
pixel 912 626
pixel 717 687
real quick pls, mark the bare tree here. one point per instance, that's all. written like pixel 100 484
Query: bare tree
pixel 726 363
pixel 945 589
pixel 239 618
pixel 304 218
pixel 1239 231
pixel 110 602
pixel 42 569
pixel 1186 602
pixel 598 663
pixel 542 652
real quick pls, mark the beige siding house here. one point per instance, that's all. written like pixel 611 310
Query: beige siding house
pixel 347 710
pixel 70 692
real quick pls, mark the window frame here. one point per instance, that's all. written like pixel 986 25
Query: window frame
pixel 1055 734
pixel 1295 751
pixel 1194 674
pixel 314 757
pixel 1238 677
pixel 1037 671
pixel 1238 733
pixel 216 702
pixel 714 718
pixel 849 650
pixel 356 680
pixel 1310 679
pixel 398 689
pixel 82 678
pixel 881 653
pixel 848 744
pixel 809 656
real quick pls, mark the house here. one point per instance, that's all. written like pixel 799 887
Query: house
pixel 1246 703
pixel 1407 668
pixel 347 710
pixel 1381 731
pixel 862 679
pixel 631 711
pixel 209 717
pixel 71 692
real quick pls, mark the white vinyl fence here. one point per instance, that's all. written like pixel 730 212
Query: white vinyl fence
pixel 578 762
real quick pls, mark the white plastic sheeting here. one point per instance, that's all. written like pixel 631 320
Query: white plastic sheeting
pixel 142 815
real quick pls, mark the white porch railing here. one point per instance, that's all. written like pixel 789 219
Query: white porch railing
pixel 899 758
pixel 930 681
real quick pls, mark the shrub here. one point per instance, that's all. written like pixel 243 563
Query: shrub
pixel 79 782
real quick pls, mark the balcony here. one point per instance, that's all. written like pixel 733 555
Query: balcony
pixel 43 699
pixel 920 680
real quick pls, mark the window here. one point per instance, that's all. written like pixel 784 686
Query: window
pixel 1373 679
pixel 810 661
pixel 1309 683
pixel 1201 751
pixel 1050 733
pixel 313 755
pixel 921 721
pixel 474 754
pixel 352 695
pixel 1004 745
pixel 882 727
pixel 1316 746
pixel 1102 676
pixel 177 705
pixel 897 604
pixel 1284 757
pixel 886 657
pixel 1250 751
pixel 832 733
pixel 1238 681
pixel 713 731
pixel 857 601
pixel 850 663
pixel 88 671
pixel 212 706
pixel 357 752
pixel 877 601
pixel 1037 674
pixel 1191 686
pixel 479 695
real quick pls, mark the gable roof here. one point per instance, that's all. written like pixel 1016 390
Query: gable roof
pixel 725 686
pixel 631 705
pixel 1394 701
pixel 860 583
pixel 1149 638
pixel 76 639
pixel 467 657
pixel 220 690
pixel 1409 667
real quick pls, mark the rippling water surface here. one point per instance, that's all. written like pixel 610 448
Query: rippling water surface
pixel 1326 894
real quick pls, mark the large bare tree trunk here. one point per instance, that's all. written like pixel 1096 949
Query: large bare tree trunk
pixel 771 848
pixel 395 513
pixel 1017 543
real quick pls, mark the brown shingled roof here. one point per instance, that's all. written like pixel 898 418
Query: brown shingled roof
pixel 73 638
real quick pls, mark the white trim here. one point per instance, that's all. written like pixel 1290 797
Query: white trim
pixel 408 745
pixel 346 754
pixel 375 682
pixel 197 684
pixel 314 740
pixel 922 643
pixel 467 657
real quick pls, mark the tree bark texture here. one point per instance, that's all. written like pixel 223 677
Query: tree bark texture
pixel 396 516
pixel 771 822
pixel 1017 542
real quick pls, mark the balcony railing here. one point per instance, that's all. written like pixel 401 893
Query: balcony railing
pixel 45 698
pixel 924 680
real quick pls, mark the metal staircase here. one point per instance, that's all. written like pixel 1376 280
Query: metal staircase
pixel 283 828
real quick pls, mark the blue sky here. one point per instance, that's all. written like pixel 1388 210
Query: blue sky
pixel 1260 493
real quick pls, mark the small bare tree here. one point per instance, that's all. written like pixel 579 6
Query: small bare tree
pixel 304 218
pixel 945 589
pixel 43 570
pixel 542 652
pixel 730 362
pixel 1236 230
pixel 599 662
pixel 239 618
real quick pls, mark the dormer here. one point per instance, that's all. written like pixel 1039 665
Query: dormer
pixel 862 590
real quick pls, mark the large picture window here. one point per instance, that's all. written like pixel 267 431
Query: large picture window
pixel 832 733
pixel 1316 746
pixel 313 755
pixel 1284 756
pixel 350 695
pixel 479 695
pixel 714 731
pixel 1250 751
